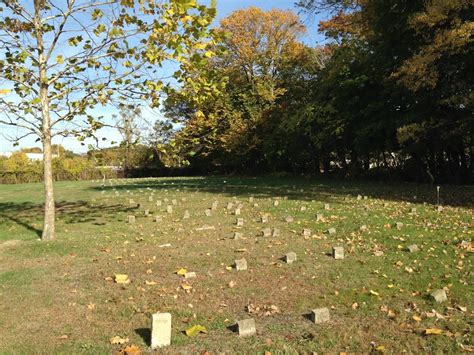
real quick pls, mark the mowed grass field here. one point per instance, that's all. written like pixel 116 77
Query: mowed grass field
pixel 60 297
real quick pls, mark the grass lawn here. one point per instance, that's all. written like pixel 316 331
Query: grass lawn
pixel 60 296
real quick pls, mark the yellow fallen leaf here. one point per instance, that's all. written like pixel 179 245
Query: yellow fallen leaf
pixel 195 330
pixel 118 340
pixel 372 292
pixel 186 287
pixel 150 283
pixel 181 272
pixel 122 279
pixel 131 350
pixel 433 331
pixel 380 349
pixel 416 318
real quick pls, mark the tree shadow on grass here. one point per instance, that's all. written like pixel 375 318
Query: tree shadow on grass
pixel 27 214
pixel 318 189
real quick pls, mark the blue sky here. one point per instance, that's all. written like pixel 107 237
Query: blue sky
pixel 224 7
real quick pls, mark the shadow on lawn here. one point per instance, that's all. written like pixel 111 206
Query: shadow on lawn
pixel 27 213
pixel 306 189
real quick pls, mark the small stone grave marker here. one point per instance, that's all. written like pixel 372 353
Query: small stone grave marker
pixel 289 219
pixel 332 231
pixel 214 205
pixel 169 209
pixel 439 296
pixel 246 327
pixel 338 253
pixel 326 206
pixel 266 232
pixel 186 215
pixel 208 212
pixel 190 275
pixel 241 264
pixel 290 257
pixel 160 330
pixel 131 219
pixel 240 222
pixel 306 232
pixel 413 248
pixel 320 315
pixel 238 235
pixel 276 232
pixel 319 217
pixel 158 219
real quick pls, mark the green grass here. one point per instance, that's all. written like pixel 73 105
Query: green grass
pixel 61 288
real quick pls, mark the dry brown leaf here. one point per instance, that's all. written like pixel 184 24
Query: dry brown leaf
pixel 118 340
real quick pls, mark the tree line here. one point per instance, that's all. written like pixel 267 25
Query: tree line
pixel 388 95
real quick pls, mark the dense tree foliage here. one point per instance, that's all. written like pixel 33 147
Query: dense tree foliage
pixel 389 94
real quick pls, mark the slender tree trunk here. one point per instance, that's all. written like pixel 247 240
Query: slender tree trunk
pixel 49 206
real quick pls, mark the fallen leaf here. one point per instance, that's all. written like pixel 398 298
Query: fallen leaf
pixel 131 350
pixel 181 272
pixel 195 330
pixel 433 331
pixel 122 279
pixel 118 340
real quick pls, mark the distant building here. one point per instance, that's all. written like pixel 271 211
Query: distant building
pixel 31 156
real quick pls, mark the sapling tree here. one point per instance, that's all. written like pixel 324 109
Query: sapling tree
pixel 61 60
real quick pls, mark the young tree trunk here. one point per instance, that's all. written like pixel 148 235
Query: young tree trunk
pixel 49 207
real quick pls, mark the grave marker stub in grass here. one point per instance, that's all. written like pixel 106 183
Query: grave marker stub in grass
pixel 439 295
pixel 241 264
pixel 266 232
pixel 160 330
pixel 320 315
pixel 338 253
pixel 290 257
pixel 246 327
